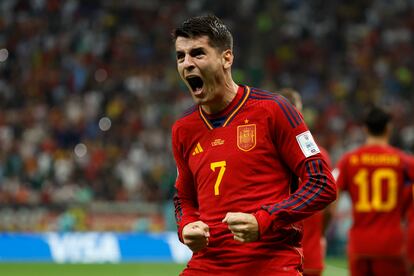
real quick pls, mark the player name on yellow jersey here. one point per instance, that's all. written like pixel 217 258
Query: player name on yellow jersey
pixel 375 159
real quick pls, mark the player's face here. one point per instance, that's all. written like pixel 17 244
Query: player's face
pixel 201 67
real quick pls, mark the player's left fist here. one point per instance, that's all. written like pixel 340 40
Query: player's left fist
pixel 243 226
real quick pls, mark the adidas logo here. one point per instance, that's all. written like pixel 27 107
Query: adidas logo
pixel 198 149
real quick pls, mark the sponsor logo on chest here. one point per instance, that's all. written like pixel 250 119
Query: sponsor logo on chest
pixel 217 142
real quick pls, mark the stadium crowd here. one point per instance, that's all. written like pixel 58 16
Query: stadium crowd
pixel 89 90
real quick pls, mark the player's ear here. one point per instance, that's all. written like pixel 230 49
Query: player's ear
pixel 227 58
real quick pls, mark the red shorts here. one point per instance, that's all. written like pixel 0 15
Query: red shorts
pixel 313 243
pixel 314 255
pixel 286 266
pixel 379 266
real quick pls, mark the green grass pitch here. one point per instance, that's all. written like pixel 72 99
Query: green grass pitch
pixel 337 267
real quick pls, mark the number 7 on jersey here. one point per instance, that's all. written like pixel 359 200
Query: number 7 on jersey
pixel 222 166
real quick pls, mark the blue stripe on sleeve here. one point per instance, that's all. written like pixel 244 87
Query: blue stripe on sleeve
pixel 324 183
pixel 315 189
pixel 291 114
pixel 283 100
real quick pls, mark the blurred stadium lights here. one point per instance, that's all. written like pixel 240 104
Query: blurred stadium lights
pixel 4 54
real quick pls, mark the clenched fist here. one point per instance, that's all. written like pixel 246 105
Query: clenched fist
pixel 243 226
pixel 195 235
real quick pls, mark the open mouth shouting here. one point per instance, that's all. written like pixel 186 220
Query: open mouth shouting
pixel 196 83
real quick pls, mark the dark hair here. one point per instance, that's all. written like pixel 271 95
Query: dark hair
pixel 376 120
pixel 208 25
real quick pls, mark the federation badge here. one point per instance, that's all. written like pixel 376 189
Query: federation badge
pixel 246 137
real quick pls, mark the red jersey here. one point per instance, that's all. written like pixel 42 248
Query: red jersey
pixel 375 177
pixel 243 160
pixel 313 242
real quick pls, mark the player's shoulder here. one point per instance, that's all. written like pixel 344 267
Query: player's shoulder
pixel 360 150
pixel 186 117
pixel 267 96
pixel 372 150
pixel 387 149
pixel 349 154
pixel 405 156
pixel 401 152
pixel 276 104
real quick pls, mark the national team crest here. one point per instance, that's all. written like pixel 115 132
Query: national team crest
pixel 246 137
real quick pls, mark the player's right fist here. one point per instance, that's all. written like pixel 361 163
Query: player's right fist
pixel 195 235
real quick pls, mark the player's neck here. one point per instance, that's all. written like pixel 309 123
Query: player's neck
pixel 228 92
pixel 377 141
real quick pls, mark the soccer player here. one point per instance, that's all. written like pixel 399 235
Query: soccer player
pixel 237 152
pixel 374 175
pixel 313 241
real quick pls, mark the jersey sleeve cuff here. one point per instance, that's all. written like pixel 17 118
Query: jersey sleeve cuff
pixel 183 223
pixel 268 222
pixel 263 220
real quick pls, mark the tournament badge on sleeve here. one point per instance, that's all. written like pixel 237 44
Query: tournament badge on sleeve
pixel 307 144
pixel 246 137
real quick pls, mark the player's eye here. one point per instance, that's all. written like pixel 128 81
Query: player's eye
pixel 180 55
pixel 197 52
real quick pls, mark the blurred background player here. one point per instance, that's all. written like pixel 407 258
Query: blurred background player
pixel 374 175
pixel 313 241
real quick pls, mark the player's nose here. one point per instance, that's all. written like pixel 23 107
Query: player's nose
pixel 188 63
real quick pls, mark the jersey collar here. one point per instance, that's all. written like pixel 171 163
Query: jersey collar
pixel 235 106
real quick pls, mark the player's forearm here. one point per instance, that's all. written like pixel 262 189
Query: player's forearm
pixel 185 213
pixel 318 190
